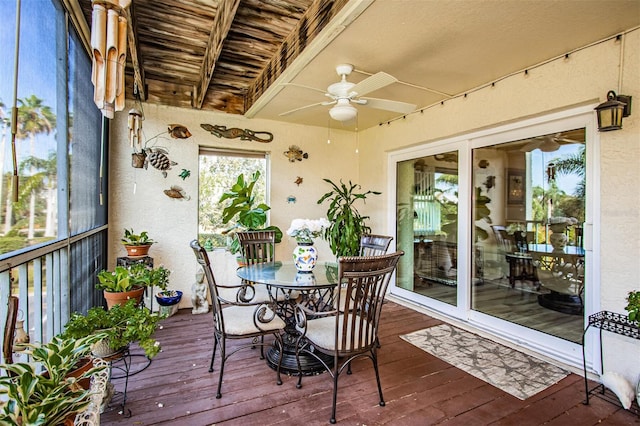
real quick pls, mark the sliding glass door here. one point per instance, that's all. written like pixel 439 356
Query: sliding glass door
pixel 427 210
pixel 497 229
pixel 529 213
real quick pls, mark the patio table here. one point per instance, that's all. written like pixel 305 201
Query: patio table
pixel 288 287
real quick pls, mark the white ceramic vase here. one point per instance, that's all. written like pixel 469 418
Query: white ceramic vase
pixel 305 257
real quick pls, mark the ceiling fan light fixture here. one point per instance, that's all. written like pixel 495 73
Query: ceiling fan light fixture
pixel 343 112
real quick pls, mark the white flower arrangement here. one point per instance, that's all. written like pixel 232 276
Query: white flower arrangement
pixel 305 230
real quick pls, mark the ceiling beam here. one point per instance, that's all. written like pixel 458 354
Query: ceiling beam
pixel 319 26
pixel 132 39
pixel 224 18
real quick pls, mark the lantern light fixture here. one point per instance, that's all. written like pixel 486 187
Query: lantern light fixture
pixel 611 112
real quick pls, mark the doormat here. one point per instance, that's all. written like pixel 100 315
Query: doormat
pixel 514 372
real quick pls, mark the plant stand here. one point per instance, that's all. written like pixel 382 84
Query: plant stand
pixel 613 323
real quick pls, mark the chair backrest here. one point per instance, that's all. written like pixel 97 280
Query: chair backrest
pixel 203 261
pixel 9 330
pixel 365 281
pixel 257 246
pixel 503 239
pixel 374 245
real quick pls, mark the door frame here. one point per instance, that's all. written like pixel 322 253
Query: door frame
pixel 553 347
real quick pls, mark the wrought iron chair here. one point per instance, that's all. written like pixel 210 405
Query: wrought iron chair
pixel 374 245
pixel 350 332
pixel 257 247
pixel 238 320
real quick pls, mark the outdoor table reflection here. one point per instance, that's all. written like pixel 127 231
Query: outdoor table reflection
pixel 562 273
pixel 288 287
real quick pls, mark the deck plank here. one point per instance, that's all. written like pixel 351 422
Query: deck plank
pixel 418 388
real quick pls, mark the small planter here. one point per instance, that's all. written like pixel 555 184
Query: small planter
pixel 168 301
pixel 140 250
pixel 122 297
pixel 138 159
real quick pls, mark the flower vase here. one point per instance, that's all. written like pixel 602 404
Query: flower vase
pixel 305 257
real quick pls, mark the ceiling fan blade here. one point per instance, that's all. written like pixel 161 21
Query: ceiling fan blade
pixel 306 107
pixel 304 87
pixel 373 83
pixel 389 105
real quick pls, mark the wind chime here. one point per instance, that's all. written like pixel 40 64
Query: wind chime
pixel 109 44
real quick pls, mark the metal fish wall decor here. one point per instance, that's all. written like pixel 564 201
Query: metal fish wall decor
pixel 234 132
pixel 295 153
pixel 177 193
pixel 178 131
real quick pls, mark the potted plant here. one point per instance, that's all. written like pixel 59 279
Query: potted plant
pixel 633 305
pixel 346 223
pixel 136 244
pixel 242 212
pixel 55 396
pixel 119 326
pixel 124 283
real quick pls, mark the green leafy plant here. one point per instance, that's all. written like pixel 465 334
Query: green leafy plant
pixel 130 238
pixel 633 305
pixel 120 326
pixel 346 223
pixel 48 398
pixel 127 278
pixel 242 212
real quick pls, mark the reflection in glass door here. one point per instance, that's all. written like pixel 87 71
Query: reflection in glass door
pixel 531 193
pixel 427 212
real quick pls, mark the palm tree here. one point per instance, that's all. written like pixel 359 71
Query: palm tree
pixel 574 163
pixel 34 118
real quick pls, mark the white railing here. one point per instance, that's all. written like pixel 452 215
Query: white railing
pixel 41 279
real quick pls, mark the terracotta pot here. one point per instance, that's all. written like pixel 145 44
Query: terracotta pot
pixel 84 365
pixel 122 297
pixel 137 250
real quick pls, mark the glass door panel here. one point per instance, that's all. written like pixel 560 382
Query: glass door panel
pixel 529 209
pixel 427 225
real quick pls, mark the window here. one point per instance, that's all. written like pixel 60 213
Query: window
pixel 219 171
pixel 58 140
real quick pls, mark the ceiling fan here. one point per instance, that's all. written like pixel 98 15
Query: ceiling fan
pixel 547 143
pixel 344 93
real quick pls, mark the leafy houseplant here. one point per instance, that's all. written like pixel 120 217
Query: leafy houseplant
pixel 53 397
pixel 119 326
pixel 125 283
pixel 633 305
pixel 242 210
pixel 136 244
pixel 346 223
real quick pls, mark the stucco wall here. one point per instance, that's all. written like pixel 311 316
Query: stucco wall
pixel 137 199
pixel 582 79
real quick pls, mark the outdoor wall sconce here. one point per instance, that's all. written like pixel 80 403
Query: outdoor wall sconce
pixel 610 113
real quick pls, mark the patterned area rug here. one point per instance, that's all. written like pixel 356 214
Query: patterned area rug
pixel 514 372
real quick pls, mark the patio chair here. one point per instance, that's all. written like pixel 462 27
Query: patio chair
pixel 350 332
pixel 256 247
pixel 374 245
pixel 238 320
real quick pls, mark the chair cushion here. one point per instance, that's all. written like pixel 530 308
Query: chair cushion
pixel 321 332
pixel 238 320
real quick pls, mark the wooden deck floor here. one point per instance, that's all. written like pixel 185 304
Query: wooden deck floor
pixel 419 389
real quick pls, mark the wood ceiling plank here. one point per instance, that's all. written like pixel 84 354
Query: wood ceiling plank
pixel 316 17
pixel 224 18
pixel 132 40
